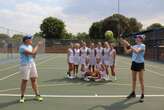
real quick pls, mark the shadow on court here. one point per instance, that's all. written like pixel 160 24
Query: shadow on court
pixel 77 81
pixel 121 105
pixel 14 102
pixel 7 104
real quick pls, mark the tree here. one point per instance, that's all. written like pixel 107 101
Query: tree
pixel 135 26
pixel 52 28
pixel 4 38
pixel 155 26
pixel 95 31
pixel 38 34
pixel 17 37
pixel 68 36
pixel 2 35
pixel 82 36
pixel 117 23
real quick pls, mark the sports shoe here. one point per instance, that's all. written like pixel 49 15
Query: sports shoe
pixel 115 78
pixel 131 95
pixel 72 77
pixel 68 74
pixel 107 78
pixel 22 99
pixel 141 98
pixel 86 79
pixel 98 79
pixel 38 98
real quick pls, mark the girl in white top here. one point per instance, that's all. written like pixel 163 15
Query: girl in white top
pixel 76 58
pixel 70 59
pixel 99 51
pixel 106 59
pixel 92 56
pixel 85 71
pixel 99 69
pixel 112 58
pixel 83 53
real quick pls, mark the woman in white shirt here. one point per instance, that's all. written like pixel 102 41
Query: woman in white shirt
pixel 106 59
pixel 76 59
pixel 70 60
pixel 112 59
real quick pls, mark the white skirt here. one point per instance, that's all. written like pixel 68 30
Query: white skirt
pixel 106 61
pixel 76 60
pixel 92 61
pixel 70 59
pixel 82 60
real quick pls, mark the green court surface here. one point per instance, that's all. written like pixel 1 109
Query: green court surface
pixel 62 94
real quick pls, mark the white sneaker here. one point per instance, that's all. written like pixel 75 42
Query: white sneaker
pixel 68 76
pixel 86 79
pixel 99 79
pixel 107 78
pixel 72 77
pixel 115 78
pixel 22 100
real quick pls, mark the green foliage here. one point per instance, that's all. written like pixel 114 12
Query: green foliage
pixel 134 25
pixel 68 36
pixel 117 23
pixel 2 35
pixel 52 28
pixel 17 37
pixel 155 26
pixel 82 36
pixel 95 31
pixel 37 34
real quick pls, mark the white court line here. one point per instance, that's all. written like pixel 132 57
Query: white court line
pixel 149 70
pixel 148 65
pixel 72 84
pixel 6 77
pixel 155 66
pixel 3 78
pixel 4 69
pixel 47 68
pixel 56 68
pixel 48 85
pixel 50 58
pixel 121 84
pixel 159 74
pixel 78 96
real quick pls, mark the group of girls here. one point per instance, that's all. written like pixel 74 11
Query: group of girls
pixel 94 60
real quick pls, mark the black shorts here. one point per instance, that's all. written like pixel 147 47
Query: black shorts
pixel 137 66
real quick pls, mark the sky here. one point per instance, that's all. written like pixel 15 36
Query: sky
pixel 78 15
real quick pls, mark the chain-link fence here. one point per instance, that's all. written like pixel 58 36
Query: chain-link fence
pixel 9 46
pixel 154 42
